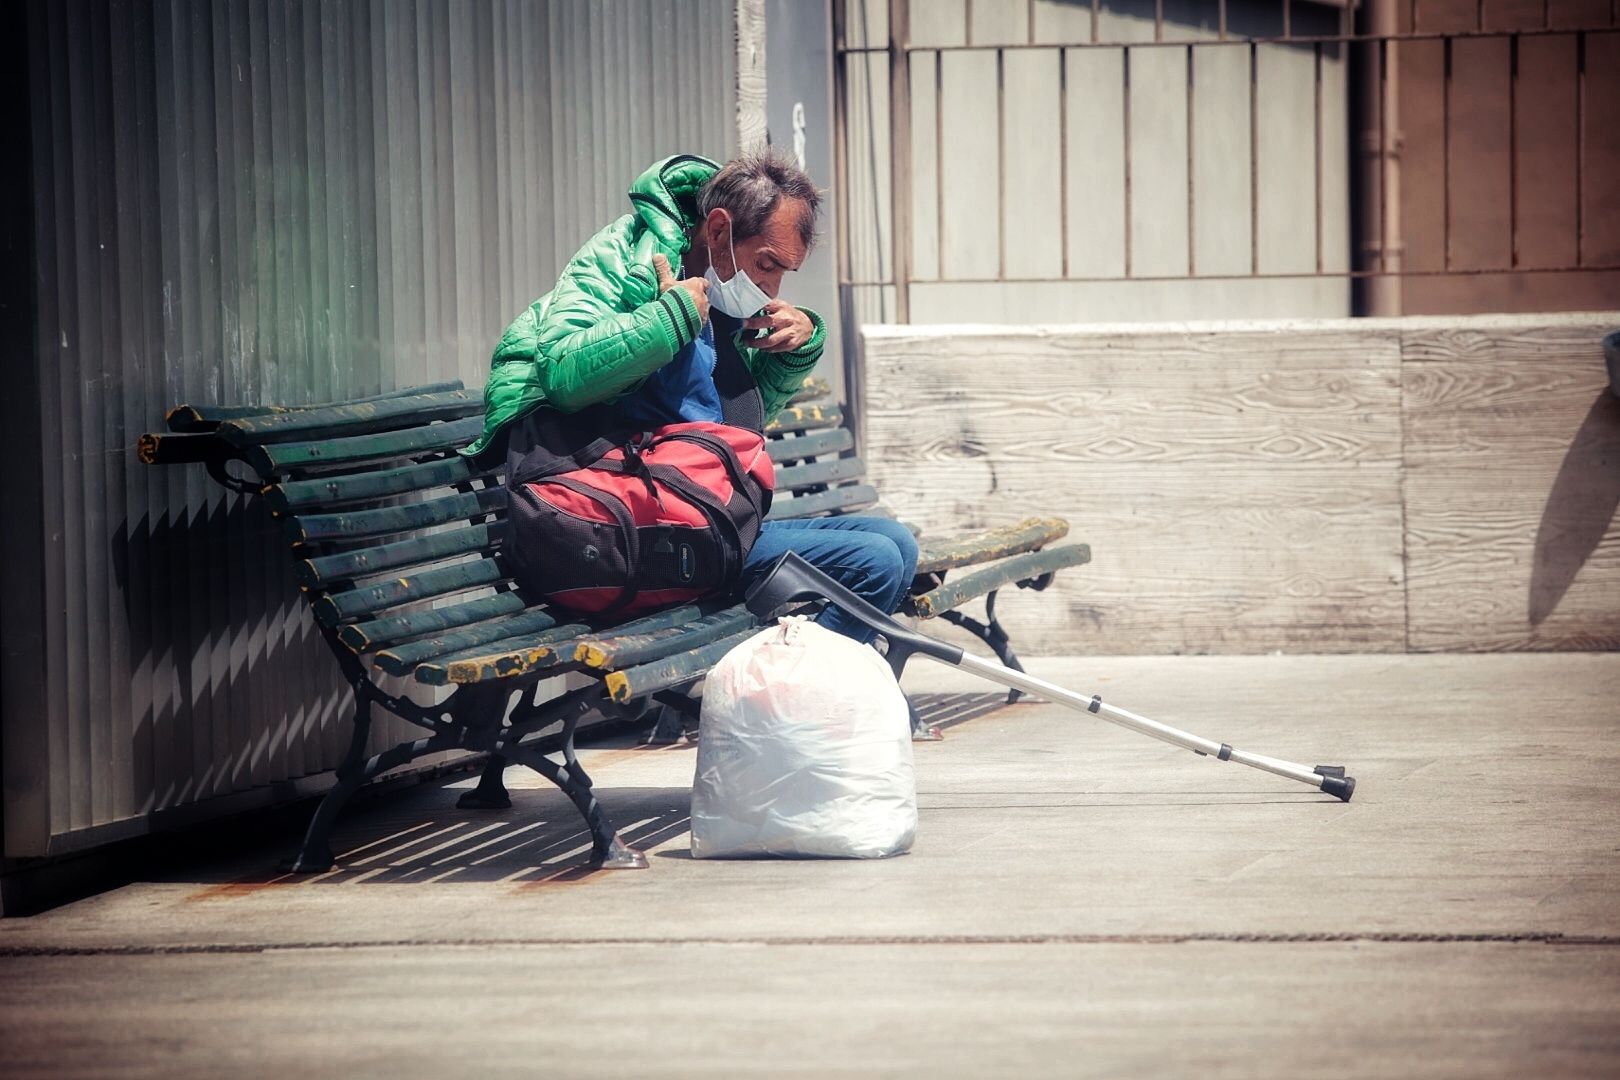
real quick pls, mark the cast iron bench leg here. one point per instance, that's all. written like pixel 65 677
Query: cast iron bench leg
pixel 668 729
pixel 677 712
pixel 608 850
pixel 491 793
pixel 315 854
pixel 481 710
pixel 992 634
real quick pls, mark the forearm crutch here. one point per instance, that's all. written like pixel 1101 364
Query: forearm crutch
pixel 793 579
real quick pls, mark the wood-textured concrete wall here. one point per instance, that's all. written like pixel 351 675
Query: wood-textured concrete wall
pixel 1438 484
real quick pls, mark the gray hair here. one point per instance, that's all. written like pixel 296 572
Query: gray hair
pixel 750 187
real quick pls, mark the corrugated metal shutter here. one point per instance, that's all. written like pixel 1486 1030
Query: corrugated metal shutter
pixel 274 202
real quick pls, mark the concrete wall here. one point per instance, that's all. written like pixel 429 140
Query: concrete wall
pixel 1419 484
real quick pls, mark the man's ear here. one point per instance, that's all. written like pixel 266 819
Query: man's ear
pixel 717 227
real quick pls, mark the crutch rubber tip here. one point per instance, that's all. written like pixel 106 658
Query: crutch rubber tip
pixel 1340 787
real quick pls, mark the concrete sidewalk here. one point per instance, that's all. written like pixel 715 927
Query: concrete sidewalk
pixel 1081 901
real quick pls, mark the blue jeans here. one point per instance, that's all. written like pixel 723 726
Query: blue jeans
pixel 873 557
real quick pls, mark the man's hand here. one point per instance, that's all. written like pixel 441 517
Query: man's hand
pixel 787 328
pixel 698 287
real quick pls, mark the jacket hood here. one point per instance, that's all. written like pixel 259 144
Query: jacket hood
pixel 665 197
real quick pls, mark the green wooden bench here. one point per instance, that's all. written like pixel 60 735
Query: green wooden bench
pixel 396 541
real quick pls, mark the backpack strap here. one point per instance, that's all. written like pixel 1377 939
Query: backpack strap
pixel 546 442
pixel 759 499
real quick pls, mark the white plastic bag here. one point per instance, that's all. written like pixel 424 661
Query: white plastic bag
pixel 804 748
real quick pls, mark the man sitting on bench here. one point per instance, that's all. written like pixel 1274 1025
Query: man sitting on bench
pixel 621 342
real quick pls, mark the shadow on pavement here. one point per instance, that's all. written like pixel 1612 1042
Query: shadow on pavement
pixel 945 711
pixel 415 833
pixel 423 837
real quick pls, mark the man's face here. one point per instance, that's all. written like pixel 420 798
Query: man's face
pixel 776 251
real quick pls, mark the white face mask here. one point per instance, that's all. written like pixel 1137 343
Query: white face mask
pixel 739 297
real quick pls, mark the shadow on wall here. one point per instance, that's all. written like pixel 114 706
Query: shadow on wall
pixel 189 575
pixel 1580 508
pixel 232 685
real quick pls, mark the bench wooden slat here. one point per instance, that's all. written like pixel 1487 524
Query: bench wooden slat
pixel 819 473
pixel 326 570
pixel 627 685
pixel 336 420
pixel 814 389
pixel 159 449
pixel 273 459
pixel 530 624
pixel 950 552
pixel 491 662
pixel 390 629
pixel 674 616
pixel 957 591
pixel 501 659
pixel 341 607
pixel 803 447
pixel 806 418
pixel 208 417
pixel 840 498
pixel 329 491
pixel 361 524
pixel 627 650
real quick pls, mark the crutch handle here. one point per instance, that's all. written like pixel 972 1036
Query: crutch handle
pixel 792 578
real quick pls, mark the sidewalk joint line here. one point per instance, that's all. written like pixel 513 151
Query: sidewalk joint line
pixel 1316 938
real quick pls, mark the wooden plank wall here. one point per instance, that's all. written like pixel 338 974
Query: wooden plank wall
pixel 1102 156
pixel 1321 486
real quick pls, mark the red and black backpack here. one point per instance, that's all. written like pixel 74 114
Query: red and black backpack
pixel 635 520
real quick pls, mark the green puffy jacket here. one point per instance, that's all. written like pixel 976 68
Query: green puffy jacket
pixel 604 328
